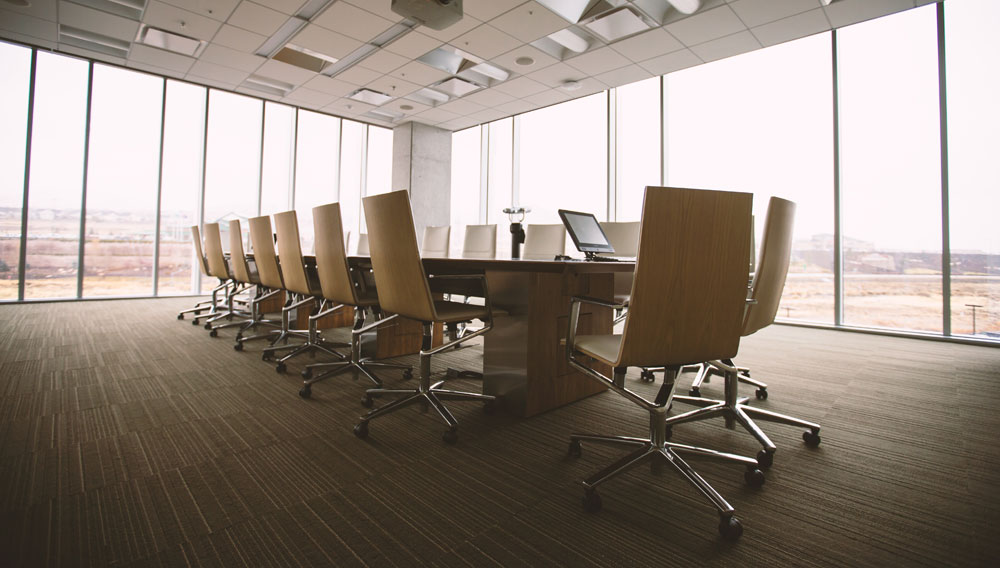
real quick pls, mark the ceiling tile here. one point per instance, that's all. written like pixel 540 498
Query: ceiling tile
pixel 521 87
pixel 435 115
pixel 847 12
pixel 705 26
pixel 598 61
pixel 488 115
pixel 28 26
pixel 325 41
pixel 352 21
pixel 358 75
pixel 348 107
pixel 647 45
pixel 673 15
pixel 289 7
pixel 758 12
pixel 452 31
pixel 381 9
pixel 624 76
pixel 228 75
pixel 417 72
pixel 256 18
pixel 516 107
pixel 795 27
pixel 397 104
pixel 392 86
pixel 671 62
pixel 728 46
pixel 174 19
pixel 460 123
pixel 155 69
pixel 485 41
pixel 484 10
pixel 461 107
pixel 330 86
pixel 488 98
pixel 548 97
pixel 92 20
pixel 72 49
pixel 238 39
pixel 218 10
pixel 152 56
pixel 509 60
pixel 529 22
pixel 311 98
pixel 231 58
pixel 383 61
pixel 413 45
pixel 41 9
pixel 555 75
pixel 284 72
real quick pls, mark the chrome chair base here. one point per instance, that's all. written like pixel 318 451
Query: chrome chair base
pixel 735 410
pixel 426 393
pixel 313 342
pixel 704 373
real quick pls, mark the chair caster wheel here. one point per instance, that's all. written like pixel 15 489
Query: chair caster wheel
pixel 765 458
pixel 754 477
pixel 575 449
pixel 694 392
pixel 307 373
pixel 280 368
pixel 213 333
pixel 647 377
pixel 367 401
pixel 407 374
pixel 591 501
pixel 180 316
pixel 239 337
pixel 450 436
pixel 265 356
pixel 761 394
pixel 361 430
pixel 305 392
pixel 238 347
pixel 730 528
pixel 208 326
pixel 811 438
pixel 194 321
pixel 489 407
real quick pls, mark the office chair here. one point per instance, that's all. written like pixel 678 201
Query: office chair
pixel 269 274
pixel 436 241
pixel 686 304
pixel 338 282
pixel 212 304
pixel 219 268
pixel 764 297
pixel 249 279
pixel 624 237
pixel 544 242
pixel 405 291
pixel 480 241
pixel 301 291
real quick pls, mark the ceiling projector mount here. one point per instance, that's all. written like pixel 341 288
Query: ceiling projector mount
pixel 435 14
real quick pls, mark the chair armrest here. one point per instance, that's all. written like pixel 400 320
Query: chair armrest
pixel 574 316
pixel 596 301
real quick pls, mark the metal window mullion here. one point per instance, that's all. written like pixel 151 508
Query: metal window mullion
pixel 945 188
pixel 340 157
pixel 22 256
pixel 515 162
pixel 613 181
pixel 86 169
pixel 295 162
pixel 260 165
pixel 159 193
pixel 201 193
pixel 363 189
pixel 484 173
pixel 838 251
pixel 663 130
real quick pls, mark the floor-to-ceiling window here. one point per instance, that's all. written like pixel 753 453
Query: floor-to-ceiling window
pixel 122 182
pixel 59 138
pixel 890 172
pixel 352 177
pixel 16 63
pixel 278 160
pixel 637 149
pixel 499 179
pixel 973 54
pixel 466 169
pixel 317 169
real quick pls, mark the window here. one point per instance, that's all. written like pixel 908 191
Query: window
pixel 122 182
pixel 16 63
pixel 466 155
pixel 499 179
pixel 378 170
pixel 56 176
pixel 638 145
pixel 762 122
pixel 352 148
pixel 180 194
pixel 278 158
pixel 973 147
pixel 317 169
pixel 890 174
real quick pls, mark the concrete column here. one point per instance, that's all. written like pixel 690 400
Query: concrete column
pixel 421 163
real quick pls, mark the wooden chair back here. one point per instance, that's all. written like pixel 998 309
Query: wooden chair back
pixel 331 255
pixel 690 287
pixel 399 273
pixel 772 269
pixel 196 239
pixel 262 240
pixel 544 242
pixel 237 259
pixel 293 266
pixel 480 241
pixel 214 255
pixel 623 236
pixel 436 241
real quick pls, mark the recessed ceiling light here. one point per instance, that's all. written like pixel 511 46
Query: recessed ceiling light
pixel 571 85
pixel 369 96
pixel 524 61
pixel 617 24
pixel 456 87
pixel 170 41
pixel 405 107
pixel 691 6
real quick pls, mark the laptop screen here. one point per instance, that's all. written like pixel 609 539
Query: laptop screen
pixel 586 232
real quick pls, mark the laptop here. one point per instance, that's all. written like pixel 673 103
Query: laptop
pixel 587 235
